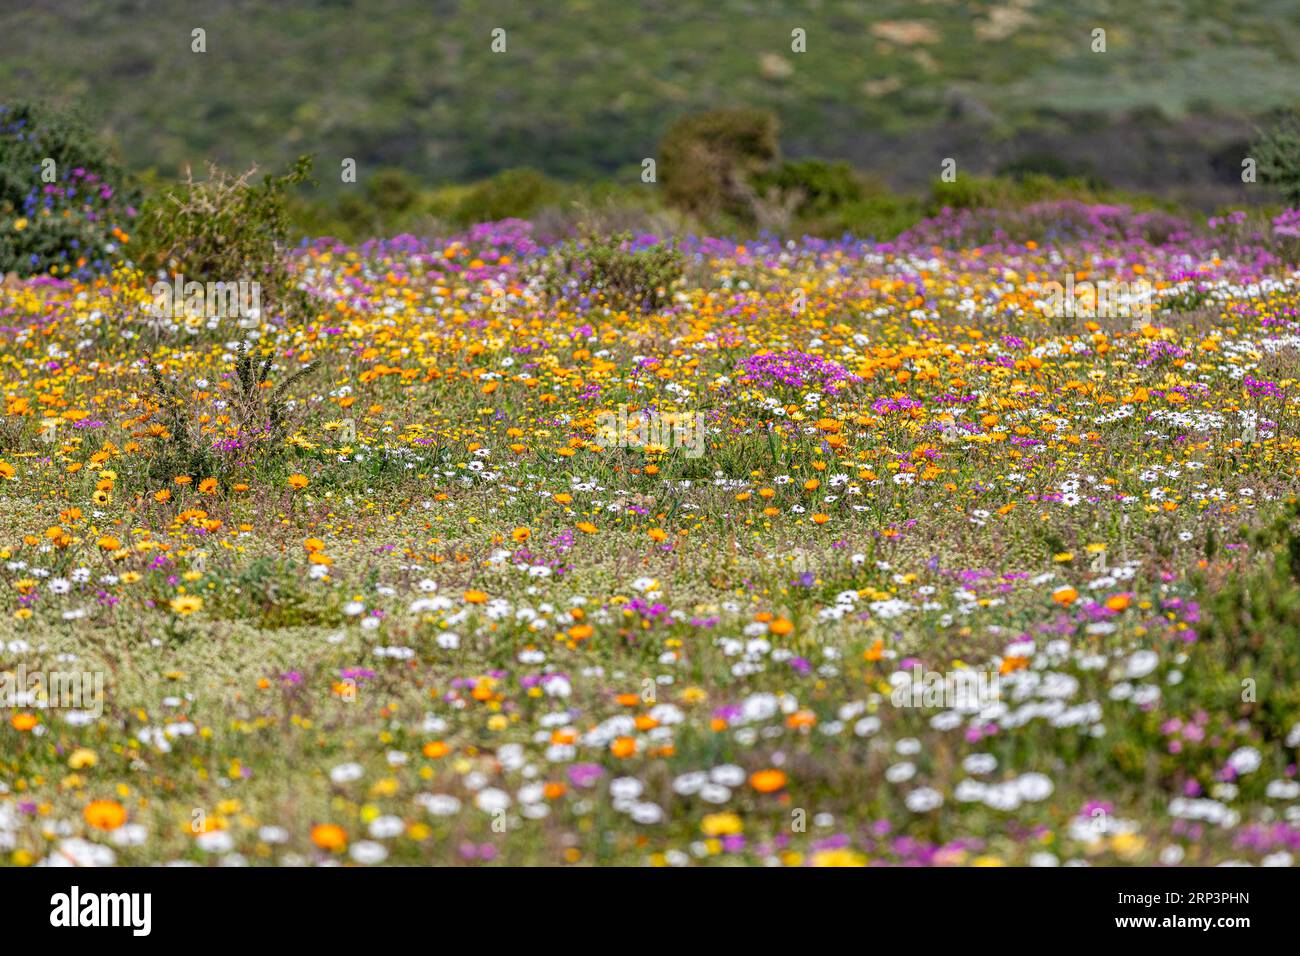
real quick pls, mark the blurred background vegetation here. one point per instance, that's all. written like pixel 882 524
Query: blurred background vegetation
pixel 847 136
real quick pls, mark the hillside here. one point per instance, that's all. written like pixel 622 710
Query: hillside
pixel 585 89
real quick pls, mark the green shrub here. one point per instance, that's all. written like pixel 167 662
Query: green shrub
pixel 708 161
pixel 611 267
pixel 257 419
pixel 822 187
pixel 225 229
pixel 835 199
pixel 78 223
pixel 393 192
pixel 1278 154
pixel 514 193
pixel 1250 624
pixel 881 215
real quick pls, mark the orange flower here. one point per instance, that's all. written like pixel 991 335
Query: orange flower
pixel 162 496
pixel 1010 664
pixel 1065 596
pixel 207 486
pixel 109 543
pixel 801 719
pixel 329 836
pixel 622 747
pixel 768 781
pixel 105 814
pixel 586 527
pixel 781 627
pixel 1118 602
pixel 24 721
pixel 475 597
pixel 435 749
pixel 298 481
pixel 875 652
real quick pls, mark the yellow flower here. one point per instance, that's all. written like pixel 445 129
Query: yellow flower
pixel 186 604
pixel 81 758
pixel 20 224
pixel 1127 845
pixel 841 857
pixel 721 824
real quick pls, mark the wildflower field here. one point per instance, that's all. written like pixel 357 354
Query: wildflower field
pixel 373 586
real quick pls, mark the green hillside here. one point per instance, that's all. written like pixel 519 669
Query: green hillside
pixel 586 88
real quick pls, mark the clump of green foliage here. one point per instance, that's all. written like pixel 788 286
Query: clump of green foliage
pixel 258 419
pixel 65 207
pixel 1277 152
pixel 707 161
pixel 511 193
pixel 626 276
pixel 384 205
pixel 226 228
pixel 833 198
pixel 1250 622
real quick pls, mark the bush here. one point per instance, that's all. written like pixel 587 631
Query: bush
pixel 512 194
pixel 835 199
pixel 225 229
pixel 1278 154
pixel 255 417
pixel 626 276
pixel 708 160
pixel 1250 622
pixel 75 225
pixel 822 187
pixel 393 192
